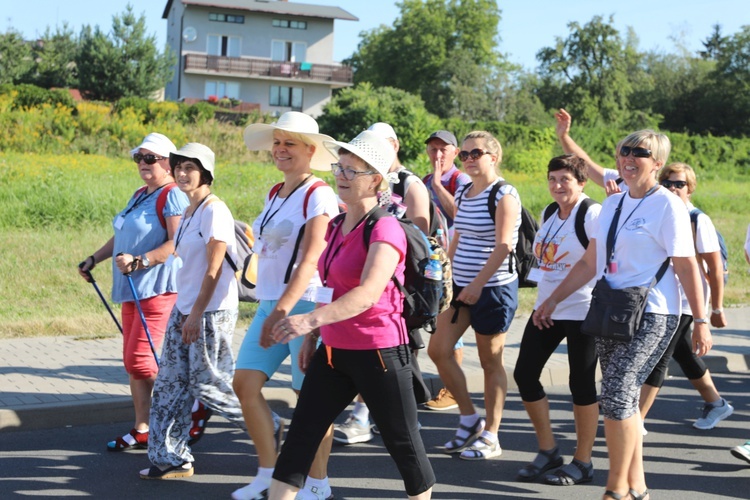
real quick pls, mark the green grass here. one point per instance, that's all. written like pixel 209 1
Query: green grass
pixel 56 210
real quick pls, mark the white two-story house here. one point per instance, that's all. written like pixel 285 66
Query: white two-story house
pixel 275 53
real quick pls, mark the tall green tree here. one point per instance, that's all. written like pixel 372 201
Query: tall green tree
pixel 714 44
pixel 125 64
pixel 590 71
pixel 432 50
pixel 15 58
pixel 55 57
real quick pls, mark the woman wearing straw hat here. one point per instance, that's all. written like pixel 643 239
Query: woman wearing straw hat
pixel 290 236
pixel 364 340
pixel 141 243
pixel 197 360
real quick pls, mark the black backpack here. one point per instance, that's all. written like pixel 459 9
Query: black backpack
pixel 523 255
pixel 437 219
pixel 580 218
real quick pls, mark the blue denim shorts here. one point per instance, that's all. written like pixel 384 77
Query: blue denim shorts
pixel 495 309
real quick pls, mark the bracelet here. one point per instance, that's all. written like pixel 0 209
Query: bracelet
pixel 699 321
pixel 93 262
pixel 717 311
pixel 134 264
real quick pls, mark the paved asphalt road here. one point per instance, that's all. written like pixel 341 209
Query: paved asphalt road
pixel 682 463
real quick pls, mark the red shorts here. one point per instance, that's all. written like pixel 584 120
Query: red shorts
pixel 136 351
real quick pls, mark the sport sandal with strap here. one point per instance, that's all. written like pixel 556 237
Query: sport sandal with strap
pixel 458 444
pixel 638 496
pixel 119 444
pixel 576 472
pixel 544 461
pixel 482 449
pixel 185 469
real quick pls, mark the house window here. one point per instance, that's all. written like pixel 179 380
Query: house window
pixel 288 97
pixel 219 45
pixel 286 23
pixel 222 89
pixel 226 18
pixel 282 50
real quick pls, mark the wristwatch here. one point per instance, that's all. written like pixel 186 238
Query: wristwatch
pixel 698 321
pixel 717 311
pixel 144 260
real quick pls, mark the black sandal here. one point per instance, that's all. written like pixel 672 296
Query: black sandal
pixel 636 496
pixel 612 494
pixel 562 477
pixel 185 469
pixel 532 471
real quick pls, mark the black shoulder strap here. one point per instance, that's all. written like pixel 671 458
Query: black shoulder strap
pixel 491 201
pixel 581 220
pixel 371 218
pixel 400 188
pixel 549 211
pixel 466 187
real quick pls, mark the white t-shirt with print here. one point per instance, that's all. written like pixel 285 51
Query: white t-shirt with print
pixel 212 220
pixel 658 228
pixel 562 250
pixel 277 229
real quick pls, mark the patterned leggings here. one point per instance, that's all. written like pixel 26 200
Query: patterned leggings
pixel 202 370
pixel 626 365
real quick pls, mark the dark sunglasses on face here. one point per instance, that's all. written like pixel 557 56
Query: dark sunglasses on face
pixel 349 173
pixel 148 159
pixel 475 154
pixel 637 152
pixel 674 184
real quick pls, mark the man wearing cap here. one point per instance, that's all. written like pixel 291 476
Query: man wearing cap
pixel 442 149
pixel 415 200
pixel 445 180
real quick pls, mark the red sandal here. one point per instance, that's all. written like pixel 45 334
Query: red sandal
pixel 119 444
pixel 200 419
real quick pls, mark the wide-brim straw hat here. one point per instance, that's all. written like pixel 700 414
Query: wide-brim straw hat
pixel 371 147
pixel 259 136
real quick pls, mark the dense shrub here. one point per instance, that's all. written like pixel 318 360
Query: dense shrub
pixel 30 96
pixel 137 105
pixel 200 112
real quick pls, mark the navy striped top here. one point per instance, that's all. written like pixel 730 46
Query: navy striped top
pixel 477 237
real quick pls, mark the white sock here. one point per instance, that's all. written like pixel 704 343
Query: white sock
pixel 467 421
pixel 130 439
pixel 195 406
pixel 489 436
pixel 260 484
pixel 318 483
pixel 361 413
pixel 718 403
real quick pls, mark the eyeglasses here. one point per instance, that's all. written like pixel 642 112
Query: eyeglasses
pixel 349 174
pixel 148 159
pixel 475 154
pixel 674 184
pixel 637 152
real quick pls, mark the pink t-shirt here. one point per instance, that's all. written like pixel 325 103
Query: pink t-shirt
pixel 341 266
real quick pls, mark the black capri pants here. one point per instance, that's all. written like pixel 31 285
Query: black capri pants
pixel 681 348
pixel 384 379
pixel 536 348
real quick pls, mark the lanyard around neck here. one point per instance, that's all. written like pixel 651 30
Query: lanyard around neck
pixel 331 253
pixel 143 196
pixel 185 226
pixel 614 231
pixel 268 215
pixel 546 242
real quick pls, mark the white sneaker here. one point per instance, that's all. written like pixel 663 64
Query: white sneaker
pixel 712 415
pixel 352 431
pixel 310 492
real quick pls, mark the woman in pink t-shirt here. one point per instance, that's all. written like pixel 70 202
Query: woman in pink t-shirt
pixel 364 345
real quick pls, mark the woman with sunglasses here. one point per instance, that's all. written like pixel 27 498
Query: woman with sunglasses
pixel 646 227
pixel 485 294
pixel 290 236
pixel 364 344
pixel 141 244
pixel 680 179
pixel 558 246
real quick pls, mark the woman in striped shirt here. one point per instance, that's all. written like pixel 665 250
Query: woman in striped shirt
pixel 485 291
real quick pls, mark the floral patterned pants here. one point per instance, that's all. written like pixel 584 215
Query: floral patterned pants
pixel 202 370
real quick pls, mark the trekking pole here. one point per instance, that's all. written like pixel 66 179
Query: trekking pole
pixel 143 317
pixel 104 301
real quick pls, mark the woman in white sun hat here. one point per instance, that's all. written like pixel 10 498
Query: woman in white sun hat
pixel 197 361
pixel 364 340
pixel 290 236
pixel 141 243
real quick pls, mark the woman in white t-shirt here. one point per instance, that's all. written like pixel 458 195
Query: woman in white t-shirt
pixel 680 179
pixel 290 236
pixel 485 293
pixel 558 245
pixel 196 361
pixel 653 227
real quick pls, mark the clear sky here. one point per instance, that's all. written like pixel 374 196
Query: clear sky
pixel 526 25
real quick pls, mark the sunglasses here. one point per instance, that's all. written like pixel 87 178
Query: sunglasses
pixel 637 152
pixel 349 174
pixel 148 159
pixel 475 154
pixel 674 184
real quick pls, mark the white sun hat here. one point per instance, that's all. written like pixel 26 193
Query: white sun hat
pixel 195 151
pixel 383 130
pixel 369 146
pixel 259 136
pixel 157 143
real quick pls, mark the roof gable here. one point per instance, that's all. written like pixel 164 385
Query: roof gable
pixel 271 7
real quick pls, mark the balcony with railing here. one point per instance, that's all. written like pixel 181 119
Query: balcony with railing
pixel 248 67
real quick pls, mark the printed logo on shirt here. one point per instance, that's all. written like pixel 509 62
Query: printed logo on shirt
pixel 276 235
pixel 635 224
